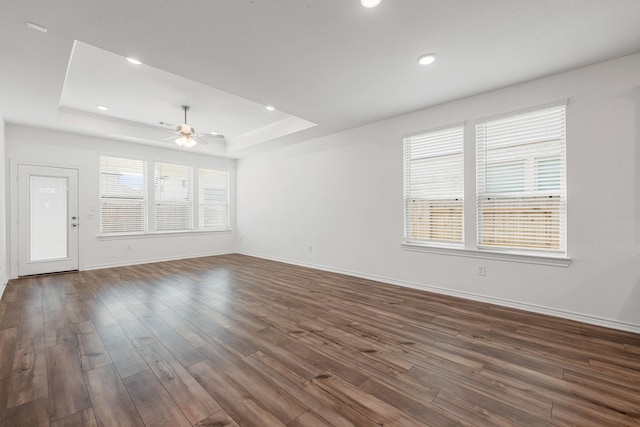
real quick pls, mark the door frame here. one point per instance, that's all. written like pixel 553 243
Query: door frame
pixel 13 201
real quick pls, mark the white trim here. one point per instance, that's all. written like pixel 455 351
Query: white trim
pixel 485 254
pixel 3 284
pixel 151 260
pixel 436 129
pixel 120 236
pixel 564 101
pixel 13 210
pixel 534 308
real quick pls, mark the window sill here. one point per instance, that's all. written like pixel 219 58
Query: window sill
pixel 555 261
pixel 158 234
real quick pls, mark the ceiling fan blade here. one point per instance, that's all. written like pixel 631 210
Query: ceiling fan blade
pixel 210 139
pixel 210 136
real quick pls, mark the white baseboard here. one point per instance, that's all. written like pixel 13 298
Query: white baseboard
pixel 151 260
pixel 3 284
pixel 579 317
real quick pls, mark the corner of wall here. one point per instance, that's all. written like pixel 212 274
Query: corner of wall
pixel 4 260
pixel 3 284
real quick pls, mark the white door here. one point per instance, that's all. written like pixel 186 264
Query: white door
pixel 47 219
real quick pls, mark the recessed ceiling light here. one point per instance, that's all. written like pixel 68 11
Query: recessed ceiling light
pixel 37 27
pixel 134 61
pixel 102 107
pixel 426 59
pixel 370 3
pixel 214 133
pixel 270 107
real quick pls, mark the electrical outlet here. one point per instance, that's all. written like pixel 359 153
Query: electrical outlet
pixel 482 270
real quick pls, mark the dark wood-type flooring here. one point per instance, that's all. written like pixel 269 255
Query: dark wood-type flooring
pixel 235 340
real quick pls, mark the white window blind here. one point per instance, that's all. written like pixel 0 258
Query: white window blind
pixel 122 195
pixel 213 199
pixel 520 182
pixel 173 197
pixel 434 187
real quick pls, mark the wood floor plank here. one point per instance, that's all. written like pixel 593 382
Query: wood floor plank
pixel 93 354
pixel 219 419
pixel 309 419
pixel 413 404
pixel 67 390
pixel 29 376
pixel 111 402
pixel 183 351
pixel 137 332
pixel 472 413
pixel 30 414
pixel 189 331
pixel 315 356
pixel 8 339
pixel 294 361
pixel 80 419
pixel 4 397
pixel 242 408
pixel 480 396
pixel 194 401
pixel 74 310
pixel 306 392
pixel 153 402
pixel 538 387
pixel 56 327
pixel 358 399
pixel 122 352
pixel 276 400
pixel 591 417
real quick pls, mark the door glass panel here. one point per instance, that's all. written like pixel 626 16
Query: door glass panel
pixel 48 225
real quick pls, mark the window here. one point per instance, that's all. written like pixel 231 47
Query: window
pixel 173 197
pixel 434 187
pixel 520 185
pixel 122 195
pixel 213 203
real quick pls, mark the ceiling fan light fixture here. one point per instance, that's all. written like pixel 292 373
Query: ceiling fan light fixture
pixel 186 141
pixel 186 132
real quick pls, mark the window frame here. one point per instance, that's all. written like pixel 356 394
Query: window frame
pixel 211 205
pixel 529 199
pixel 471 248
pixel 150 200
pixel 448 201
pixel 158 201
pixel 143 201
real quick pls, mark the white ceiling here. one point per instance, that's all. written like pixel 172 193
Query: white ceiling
pixel 331 63
pixel 145 105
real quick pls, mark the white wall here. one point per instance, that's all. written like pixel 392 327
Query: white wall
pixel 29 145
pixel 3 217
pixel 342 195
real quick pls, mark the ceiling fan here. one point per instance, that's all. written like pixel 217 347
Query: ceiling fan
pixel 187 136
